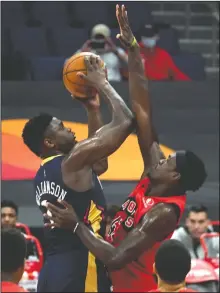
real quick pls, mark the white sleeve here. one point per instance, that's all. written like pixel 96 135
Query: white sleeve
pixel 121 51
pixel 176 235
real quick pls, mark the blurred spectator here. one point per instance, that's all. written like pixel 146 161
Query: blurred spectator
pixel 13 251
pixel 172 264
pixel 158 63
pixel 110 213
pixel 9 213
pixel 114 57
pixel 197 223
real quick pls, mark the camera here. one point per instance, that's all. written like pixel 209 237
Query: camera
pixel 98 42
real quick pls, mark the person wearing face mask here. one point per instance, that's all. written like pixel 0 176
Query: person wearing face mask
pixel 115 58
pixel 157 62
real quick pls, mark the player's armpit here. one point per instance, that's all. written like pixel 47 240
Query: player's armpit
pixel 155 226
pixel 100 167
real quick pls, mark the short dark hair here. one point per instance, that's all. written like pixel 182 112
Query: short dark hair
pixel 9 204
pixel 111 211
pixel 33 132
pixel 197 209
pixel 193 174
pixel 13 250
pixel 172 261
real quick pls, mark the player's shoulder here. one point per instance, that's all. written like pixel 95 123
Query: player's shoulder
pixel 51 164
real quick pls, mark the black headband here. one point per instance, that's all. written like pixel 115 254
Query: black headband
pixel 180 161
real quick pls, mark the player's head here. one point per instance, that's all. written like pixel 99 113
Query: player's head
pixel 182 171
pixel 9 213
pixel 13 253
pixel 172 262
pixel 197 221
pixel 46 135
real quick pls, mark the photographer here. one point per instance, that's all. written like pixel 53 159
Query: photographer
pixel 115 58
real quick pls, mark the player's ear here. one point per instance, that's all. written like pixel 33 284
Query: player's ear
pixel 48 143
pixel 176 176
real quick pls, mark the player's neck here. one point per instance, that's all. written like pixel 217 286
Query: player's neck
pixel 164 287
pixel 50 154
pixel 7 277
pixel 163 191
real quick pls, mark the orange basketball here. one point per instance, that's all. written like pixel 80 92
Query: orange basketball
pixel 73 83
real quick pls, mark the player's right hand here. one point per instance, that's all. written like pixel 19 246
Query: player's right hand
pixel 96 72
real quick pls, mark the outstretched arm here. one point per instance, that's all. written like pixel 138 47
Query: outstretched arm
pixel 139 93
pixel 108 138
pixel 94 123
pixel 154 227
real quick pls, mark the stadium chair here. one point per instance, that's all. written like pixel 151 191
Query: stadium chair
pixel 46 68
pixel 67 41
pixel 169 40
pixel 30 41
pixel 50 13
pixel 90 13
pixel 12 13
pixel 191 64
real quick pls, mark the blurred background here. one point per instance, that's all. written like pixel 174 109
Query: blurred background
pixel 180 50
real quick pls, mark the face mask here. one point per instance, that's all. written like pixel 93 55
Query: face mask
pixel 149 43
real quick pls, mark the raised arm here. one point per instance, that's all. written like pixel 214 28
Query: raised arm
pixel 139 93
pixel 154 227
pixel 108 138
pixel 92 106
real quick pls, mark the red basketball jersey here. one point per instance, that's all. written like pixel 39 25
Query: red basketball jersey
pixel 137 276
pixel 181 290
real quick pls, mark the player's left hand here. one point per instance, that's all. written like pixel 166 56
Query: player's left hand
pixel 89 103
pixel 62 218
pixel 126 36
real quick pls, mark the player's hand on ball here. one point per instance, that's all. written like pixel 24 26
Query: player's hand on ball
pixel 61 218
pixel 126 36
pixel 96 72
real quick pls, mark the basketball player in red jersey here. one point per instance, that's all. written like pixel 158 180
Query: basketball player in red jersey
pixel 152 211
pixel 172 264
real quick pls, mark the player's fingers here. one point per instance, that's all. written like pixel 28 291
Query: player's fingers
pixel 123 12
pixel 52 225
pixel 64 203
pixel 87 63
pixel 53 209
pixel 81 75
pixel 99 62
pixel 119 16
pixel 126 17
pixel 92 60
pixel 51 218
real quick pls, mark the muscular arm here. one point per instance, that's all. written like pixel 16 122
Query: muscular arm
pixel 107 139
pixel 94 123
pixel 139 93
pixel 141 107
pixel 155 226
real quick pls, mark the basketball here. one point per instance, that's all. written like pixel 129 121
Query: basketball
pixel 73 83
